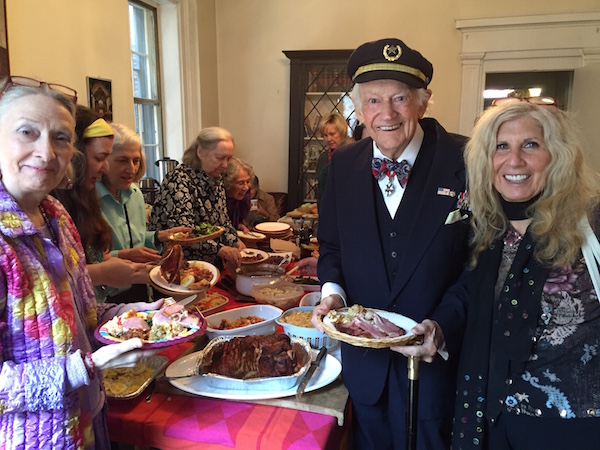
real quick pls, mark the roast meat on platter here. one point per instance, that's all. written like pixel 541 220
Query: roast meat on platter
pixel 248 357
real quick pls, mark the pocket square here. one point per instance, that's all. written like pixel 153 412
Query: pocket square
pixel 455 216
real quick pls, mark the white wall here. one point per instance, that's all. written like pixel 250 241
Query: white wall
pixel 247 89
pixel 65 41
pixel 254 74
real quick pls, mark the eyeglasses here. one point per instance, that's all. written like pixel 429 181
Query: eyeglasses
pixel 68 92
pixel 243 183
pixel 544 101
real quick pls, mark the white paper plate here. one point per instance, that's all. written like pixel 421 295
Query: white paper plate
pixel 325 374
pixel 272 227
pixel 251 237
pixel 157 278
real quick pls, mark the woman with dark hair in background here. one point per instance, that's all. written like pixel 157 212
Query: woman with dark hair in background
pixel 90 161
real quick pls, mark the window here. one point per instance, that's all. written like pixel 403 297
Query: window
pixel 143 31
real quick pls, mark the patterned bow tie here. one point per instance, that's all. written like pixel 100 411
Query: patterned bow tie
pixel 382 167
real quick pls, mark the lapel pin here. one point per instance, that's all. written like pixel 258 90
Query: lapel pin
pixel 446 191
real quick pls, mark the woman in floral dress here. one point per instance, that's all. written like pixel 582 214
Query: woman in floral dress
pixel 193 193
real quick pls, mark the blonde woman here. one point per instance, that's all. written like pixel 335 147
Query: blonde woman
pixel 528 375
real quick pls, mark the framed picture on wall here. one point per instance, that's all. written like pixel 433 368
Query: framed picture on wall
pixel 4 69
pixel 100 95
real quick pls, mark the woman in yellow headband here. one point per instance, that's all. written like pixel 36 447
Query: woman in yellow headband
pixel 90 161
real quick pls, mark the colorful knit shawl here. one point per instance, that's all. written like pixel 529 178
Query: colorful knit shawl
pixel 38 330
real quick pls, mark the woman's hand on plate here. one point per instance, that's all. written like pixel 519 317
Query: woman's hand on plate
pixel 124 354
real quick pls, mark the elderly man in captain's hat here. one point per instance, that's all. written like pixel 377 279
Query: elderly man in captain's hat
pixel 393 236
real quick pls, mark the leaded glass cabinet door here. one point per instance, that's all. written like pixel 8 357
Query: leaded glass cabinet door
pixel 318 86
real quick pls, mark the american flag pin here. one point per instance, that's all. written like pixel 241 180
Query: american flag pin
pixel 446 191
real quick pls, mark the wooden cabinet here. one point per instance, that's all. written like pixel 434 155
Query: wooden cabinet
pixel 318 86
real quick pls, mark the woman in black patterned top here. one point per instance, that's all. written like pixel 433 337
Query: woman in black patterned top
pixel 193 193
pixel 529 374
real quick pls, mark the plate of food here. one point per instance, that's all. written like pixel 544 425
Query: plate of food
pixel 128 382
pixel 200 233
pixel 253 256
pixel 327 372
pixel 171 325
pixel 211 303
pixel 176 275
pixel 367 327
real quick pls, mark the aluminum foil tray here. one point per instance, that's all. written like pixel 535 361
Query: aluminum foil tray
pixel 258 384
pixel 157 364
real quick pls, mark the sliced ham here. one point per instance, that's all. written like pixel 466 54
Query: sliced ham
pixel 369 324
pixel 135 323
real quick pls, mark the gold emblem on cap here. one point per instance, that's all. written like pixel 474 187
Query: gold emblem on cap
pixel 392 53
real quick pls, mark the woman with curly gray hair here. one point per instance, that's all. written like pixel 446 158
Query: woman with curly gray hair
pixel 238 180
pixel 528 375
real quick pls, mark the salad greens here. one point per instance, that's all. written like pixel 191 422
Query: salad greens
pixel 205 228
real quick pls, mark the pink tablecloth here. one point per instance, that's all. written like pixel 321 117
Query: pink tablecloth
pixel 179 422
pixel 182 422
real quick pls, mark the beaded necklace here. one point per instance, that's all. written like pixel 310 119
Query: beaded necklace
pixel 53 236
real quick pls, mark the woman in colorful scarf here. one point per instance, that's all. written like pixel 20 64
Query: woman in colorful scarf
pixel 51 395
pixel 528 374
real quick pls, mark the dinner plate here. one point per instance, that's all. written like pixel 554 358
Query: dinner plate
pixel 272 227
pixel 199 238
pixel 247 252
pixel 157 278
pixel 402 321
pixel 252 236
pixel 326 373
pixel 187 335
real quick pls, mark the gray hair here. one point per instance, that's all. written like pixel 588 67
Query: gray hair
pixel 207 140
pixel 234 167
pixel 125 137
pixel 14 92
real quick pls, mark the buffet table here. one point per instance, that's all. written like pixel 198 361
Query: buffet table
pixel 173 419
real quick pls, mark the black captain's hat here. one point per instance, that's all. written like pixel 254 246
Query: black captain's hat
pixel 389 59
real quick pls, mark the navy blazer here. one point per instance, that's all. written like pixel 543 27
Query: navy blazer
pixel 352 255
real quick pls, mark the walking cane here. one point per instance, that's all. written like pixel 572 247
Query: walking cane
pixel 413 402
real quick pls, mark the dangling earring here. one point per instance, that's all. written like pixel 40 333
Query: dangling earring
pixel 68 183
